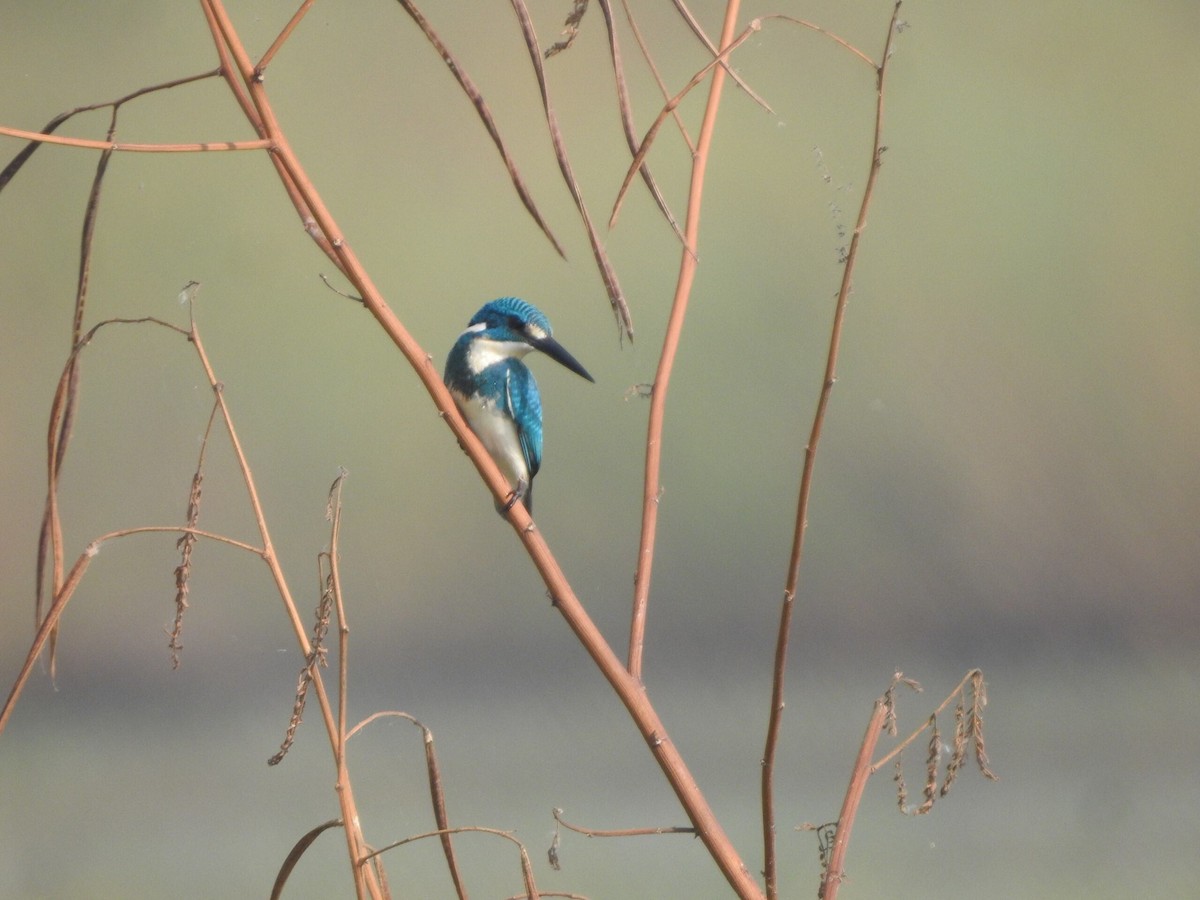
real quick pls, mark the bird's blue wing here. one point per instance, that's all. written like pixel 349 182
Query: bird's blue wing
pixel 526 408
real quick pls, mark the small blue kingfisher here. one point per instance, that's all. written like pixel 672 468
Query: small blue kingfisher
pixel 495 391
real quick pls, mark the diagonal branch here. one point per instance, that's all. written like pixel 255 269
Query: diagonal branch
pixel 639 157
pixel 238 72
pixel 753 27
pixel 608 275
pixel 627 688
pixel 627 126
pixel 293 22
pixel 686 15
pixel 485 116
pixel 658 79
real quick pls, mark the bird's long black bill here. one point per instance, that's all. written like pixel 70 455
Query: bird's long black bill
pixel 559 354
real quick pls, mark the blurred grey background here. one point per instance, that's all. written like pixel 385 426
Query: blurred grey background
pixel 1007 478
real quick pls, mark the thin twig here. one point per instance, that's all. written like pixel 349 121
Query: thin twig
pixel 658 79
pixel 21 158
pixel 627 126
pixel 608 275
pixel 436 791
pixel 202 146
pixel 51 530
pixel 686 15
pixel 644 146
pixel 806 479
pixel 622 832
pixel 297 851
pixel 485 116
pixel 342 786
pixel 526 866
pixel 265 59
pixel 349 809
pixel 50 540
pixel 754 26
pixel 71 581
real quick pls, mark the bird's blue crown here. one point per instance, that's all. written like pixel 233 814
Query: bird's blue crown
pixel 512 311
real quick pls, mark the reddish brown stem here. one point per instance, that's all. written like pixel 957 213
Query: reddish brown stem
pixel 850 803
pixel 651 483
pixel 41 137
pixel 806 480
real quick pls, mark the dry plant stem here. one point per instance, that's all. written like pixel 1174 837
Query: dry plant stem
pixel 23 157
pixel 485 116
pixel 265 59
pixel 686 15
pixel 973 675
pixel 297 851
pixel 620 832
pixel 608 275
pixel 436 791
pixel 652 132
pixel 626 110
pixel 50 540
pixel 364 883
pixel 239 72
pixel 54 612
pixel 68 392
pixel 854 792
pixel 526 865
pixel 752 28
pixel 354 836
pixel 46 628
pixel 806 478
pixel 629 689
pixel 658 79
pixel 652 484
pixel 86 144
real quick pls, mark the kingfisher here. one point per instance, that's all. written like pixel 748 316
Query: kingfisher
pixel 495 391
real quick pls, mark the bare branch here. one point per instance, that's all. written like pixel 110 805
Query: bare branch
pixel 608 275
pixel 805 491
pixel 485 116
pixel 265 59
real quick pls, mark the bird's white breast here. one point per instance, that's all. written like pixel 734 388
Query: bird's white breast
pixel 498 433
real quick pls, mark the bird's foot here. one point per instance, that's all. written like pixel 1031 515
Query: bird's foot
pixel 518 493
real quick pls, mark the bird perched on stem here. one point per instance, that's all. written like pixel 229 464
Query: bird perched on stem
pixel 495 391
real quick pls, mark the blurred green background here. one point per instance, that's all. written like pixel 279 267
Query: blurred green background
pixel 1007 478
